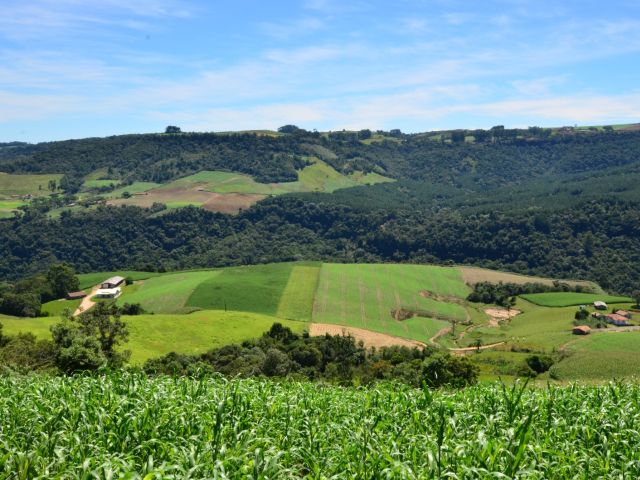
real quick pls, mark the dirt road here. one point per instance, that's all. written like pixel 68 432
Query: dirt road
pixel 87 302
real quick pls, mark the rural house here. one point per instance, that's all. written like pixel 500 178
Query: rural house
pixel 108 292
pixel 623 313
pixel 599 305
pixel 112 282
pixel 616 319
pixel 76 295
pixel 581 330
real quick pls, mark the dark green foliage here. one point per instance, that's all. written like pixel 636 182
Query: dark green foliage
pixel 539 363
pixel 339 359
pixel 581 314
pixel 501 293
pixel 132 309
pixel 89 341
pixel 172 129
pixel 62 279
pixel 24 353
pixel 636 297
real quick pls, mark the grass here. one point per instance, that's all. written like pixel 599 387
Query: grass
pixel 257 289
pixel 296 301
pixel 155 335
pixel 26 184
pixel 195 333
pixel 565 299
pixel 167 293
pixel 100 183
pixel 472 275
pixel 364 296
pixel 8 208
pixel 56 307
pixel 91 279
pixel 135 187
pixel 128 425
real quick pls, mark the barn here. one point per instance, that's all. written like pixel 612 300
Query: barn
pixel 616 319
pixel 581 330
pixel 108 292
pixel 600 305
pixel 112 282
pixel 76 295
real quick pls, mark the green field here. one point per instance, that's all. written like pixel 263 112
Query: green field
pixel 566 299
pixel 168 293
pixel 257 289
pixel 364 296
pixel 296 301
pixel 135 187
pixel 8 208
pixel 155 335
pixel 100 183
pixel 56 307
pixel 26 184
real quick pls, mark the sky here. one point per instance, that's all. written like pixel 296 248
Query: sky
pixel 84 68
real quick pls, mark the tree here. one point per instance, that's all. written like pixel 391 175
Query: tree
pixel 172 129
pixel 288 129
pixel 62 278
pixel 636 297
pixel 89 341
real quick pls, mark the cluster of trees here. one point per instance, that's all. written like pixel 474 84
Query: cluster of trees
pixel 504 293
pixel 25 297
pixel 84 343
pixel 282 353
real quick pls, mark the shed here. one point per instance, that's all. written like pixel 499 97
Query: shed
pixel 616 319
pixel 76 295
pixel 623 313
pixel 108 292
pixel 112 282
pixel 582 330
pixel 600 305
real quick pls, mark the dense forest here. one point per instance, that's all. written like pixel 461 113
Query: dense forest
pixel 560 203
pixel 599 240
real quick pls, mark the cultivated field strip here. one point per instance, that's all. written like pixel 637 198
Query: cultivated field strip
pixel 365 296
pixel 130 426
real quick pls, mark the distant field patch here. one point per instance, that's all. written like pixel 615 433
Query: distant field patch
pixel 91 279
pixel 473 275
pixel 56 307
pixel 167 293
pixel 8 208
pixel 364 296
pixel 100 183
pixel 36 185
pixel 195 333
pixel 37 326
pixel 297 298
pixel 256 288
pixel 134 188
pixel 567 299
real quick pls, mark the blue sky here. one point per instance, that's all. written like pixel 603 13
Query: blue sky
pixel 78 68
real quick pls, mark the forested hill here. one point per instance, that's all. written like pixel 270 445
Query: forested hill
pixel 475 159
pixel 596 240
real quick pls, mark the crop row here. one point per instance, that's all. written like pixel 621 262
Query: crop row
pixel 126 425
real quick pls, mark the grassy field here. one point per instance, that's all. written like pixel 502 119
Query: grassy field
pixel 566 299
pixel 257 289
pixel 168 293
pixel 8 208
pixel 56 307
pixel 155 335
pixel 100 183
pixel 26 184
pixel 364 296
pixel 601 355
pixel 296 301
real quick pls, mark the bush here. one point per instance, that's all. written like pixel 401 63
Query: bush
pixel 539 363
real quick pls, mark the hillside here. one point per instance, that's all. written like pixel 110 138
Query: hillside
pixel 189 312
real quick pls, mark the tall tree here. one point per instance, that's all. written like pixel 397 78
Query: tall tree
pixel 62 278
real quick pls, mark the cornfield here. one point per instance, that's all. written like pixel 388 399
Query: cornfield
pixel 127 425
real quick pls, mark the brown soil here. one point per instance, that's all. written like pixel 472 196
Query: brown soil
pixel 496 315
pixel 473 275
pixel 370 339
pixel 87 302
pixel 231 202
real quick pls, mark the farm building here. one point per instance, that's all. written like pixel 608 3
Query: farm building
pixel 112 282
pixel 599 305
pixel 616 319
pixel 76 295
pixel 581 330
pixel 108 292
pixel 623 313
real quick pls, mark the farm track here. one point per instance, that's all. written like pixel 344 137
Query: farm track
pixel 87 302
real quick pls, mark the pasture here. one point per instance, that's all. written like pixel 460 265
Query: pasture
pixel 473 275
pixel 56 307
pixel 566 299
pixel 36 185
pixel 8 208
pixel 256 288
pixel 364 296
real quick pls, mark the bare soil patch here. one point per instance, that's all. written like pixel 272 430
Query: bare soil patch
pixel 473 275
pixel 87 302
pixel 231 202
pixel 496 315
pixel 370 339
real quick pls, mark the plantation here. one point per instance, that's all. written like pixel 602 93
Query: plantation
pixel 566 299
pixel 130 426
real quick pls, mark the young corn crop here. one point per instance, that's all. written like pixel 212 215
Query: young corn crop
pixel 127 425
